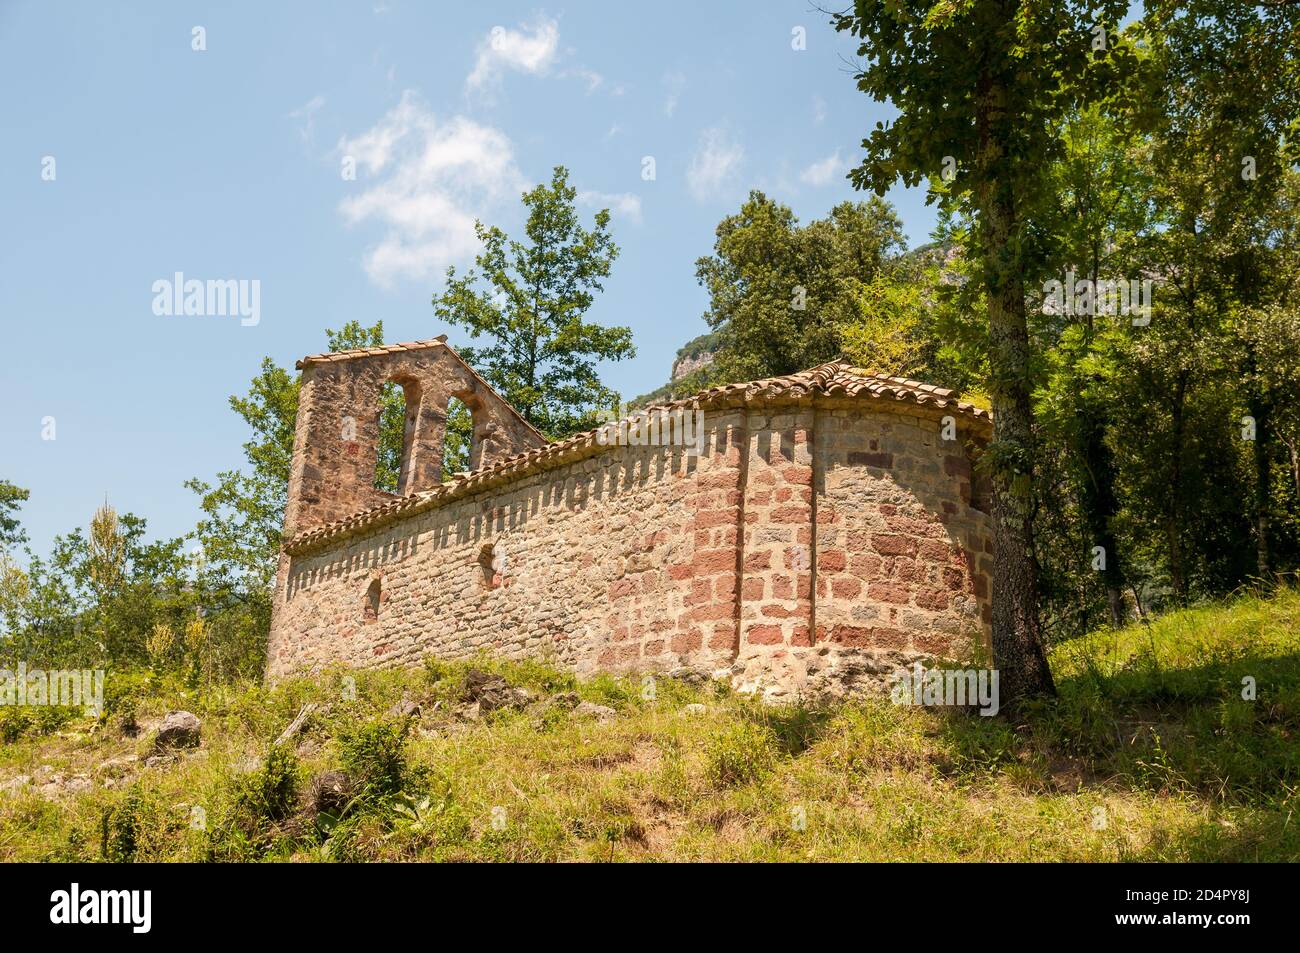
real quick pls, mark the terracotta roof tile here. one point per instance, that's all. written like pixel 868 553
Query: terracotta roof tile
pixel 439 341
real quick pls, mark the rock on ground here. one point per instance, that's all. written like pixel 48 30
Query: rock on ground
pixel 180 729
pixel 592 710
pixel 493 692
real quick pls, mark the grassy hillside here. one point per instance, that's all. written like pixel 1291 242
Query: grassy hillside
pixel 1150 753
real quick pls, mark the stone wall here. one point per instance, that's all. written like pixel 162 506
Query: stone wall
pixel 336 435
pixel 804 532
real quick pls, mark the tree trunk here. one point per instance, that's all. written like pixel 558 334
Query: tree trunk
pixel 1099 505
pixel 1263 491
pixel 1173 525
pixel 1017 634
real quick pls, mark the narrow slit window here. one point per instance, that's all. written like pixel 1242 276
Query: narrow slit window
pixel 457 439
pixel 396 422
pixel 370 608
pixel 489 565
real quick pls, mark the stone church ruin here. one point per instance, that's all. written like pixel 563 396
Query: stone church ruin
pixel 819 531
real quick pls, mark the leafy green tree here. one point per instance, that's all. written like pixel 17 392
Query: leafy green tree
pixel 94 598
pixel 1219 96
pixel 529 299
pixel 981 88
pixel 1266 337
pixel 781 294
pixel 1092 234
pixel 456 442
pixel 11 498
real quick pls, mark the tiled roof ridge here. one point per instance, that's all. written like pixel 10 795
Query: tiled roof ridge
pixel 833 379
pixel 330 357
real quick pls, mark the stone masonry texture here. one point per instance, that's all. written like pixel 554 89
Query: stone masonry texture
pixel 831 522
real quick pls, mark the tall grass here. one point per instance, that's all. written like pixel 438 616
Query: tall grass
pixel 1151 751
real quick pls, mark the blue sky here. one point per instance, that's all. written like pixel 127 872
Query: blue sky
pixel 227 163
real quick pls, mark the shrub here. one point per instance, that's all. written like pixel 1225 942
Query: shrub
pixel 132 825
pixel 374 753
pixel 14 723
pixel 738 753
pixel 270 792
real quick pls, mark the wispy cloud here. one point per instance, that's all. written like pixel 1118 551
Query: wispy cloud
pixel 819 110
pixel 591 78
pixel 821 173
pixel 717 159
pixel 529 49
pixel 306 117
pixel 674 84
pixel 623 204
pixel 427 182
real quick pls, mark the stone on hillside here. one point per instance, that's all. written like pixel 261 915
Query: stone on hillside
pixel 180 729
pixel 592 710
pixel 492 692
pixel 331 791
pixel 406 708
pixel 117 767
pixel 689 676
pixel 16 783
pixel 566 701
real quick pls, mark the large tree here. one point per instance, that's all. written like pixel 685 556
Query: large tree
pixel 530 299
pixel 1104 207
pixel 1218 97
pixel 781 294
pixel 981 88
pixel 11 497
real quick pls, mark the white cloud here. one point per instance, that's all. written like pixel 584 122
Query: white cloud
pixel 819 110
pixel 821 173
pixel 427 182
pixel 530 49
pixel 674 83
pixel 306 116
pixel 593 79
pixel 716 160
pixel 623 204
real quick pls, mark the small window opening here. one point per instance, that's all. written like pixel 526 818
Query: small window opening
pixel 457 439
pixel 491 563
pixel 397 412
pixel 370 611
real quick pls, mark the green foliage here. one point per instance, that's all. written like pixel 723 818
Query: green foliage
pixel 1150 724
pixel 780 293
pixel 739 752
pixel 456 443
pixel 529 299
pixel 374 753
pixel 11 497
pixel 271 792
pixel 132 825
